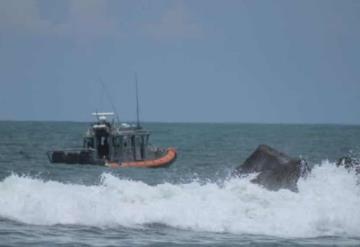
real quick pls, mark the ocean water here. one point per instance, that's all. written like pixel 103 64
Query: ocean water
pixel 193 202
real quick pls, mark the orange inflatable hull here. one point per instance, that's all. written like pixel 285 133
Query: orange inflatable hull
pixel 167 159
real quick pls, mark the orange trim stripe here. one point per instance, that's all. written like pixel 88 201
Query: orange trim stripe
pixel 165 160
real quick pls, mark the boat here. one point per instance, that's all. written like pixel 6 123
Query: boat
pixel 115 145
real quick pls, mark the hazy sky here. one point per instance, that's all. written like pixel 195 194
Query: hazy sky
pixel 209 61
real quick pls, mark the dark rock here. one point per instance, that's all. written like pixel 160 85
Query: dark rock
pixel 275 169
pixel 350 163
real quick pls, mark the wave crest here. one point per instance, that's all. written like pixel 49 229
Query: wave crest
pixel 327 204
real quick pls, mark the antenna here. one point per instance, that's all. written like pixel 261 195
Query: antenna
pixel 97 116
pixel 110 100
pixel 137 103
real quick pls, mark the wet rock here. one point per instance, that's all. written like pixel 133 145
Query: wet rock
pixel 350 163
pixel 275 170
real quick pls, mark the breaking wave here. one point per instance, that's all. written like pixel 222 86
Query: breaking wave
pixel 328 203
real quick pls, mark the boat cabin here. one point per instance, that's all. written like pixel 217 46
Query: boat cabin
pixel 116 142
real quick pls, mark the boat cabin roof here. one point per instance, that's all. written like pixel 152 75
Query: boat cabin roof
pixel 124 129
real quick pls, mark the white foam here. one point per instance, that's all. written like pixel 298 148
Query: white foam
pixel 328 203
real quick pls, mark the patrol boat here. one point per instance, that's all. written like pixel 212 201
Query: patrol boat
pixel 115 145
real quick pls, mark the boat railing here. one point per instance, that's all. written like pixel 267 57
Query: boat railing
pixel 74 149
pixel 69 150
pixel 156 149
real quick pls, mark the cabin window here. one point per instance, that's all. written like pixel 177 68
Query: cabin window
pixel 139 144
pixel 125 141
pixel 117 141
pixel 89 143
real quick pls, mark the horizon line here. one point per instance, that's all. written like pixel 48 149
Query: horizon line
pixel 191 122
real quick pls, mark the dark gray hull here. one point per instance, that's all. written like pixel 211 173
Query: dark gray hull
pixel 88 157
pixel 84 156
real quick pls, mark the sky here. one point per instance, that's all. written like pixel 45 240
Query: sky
pixel 275 61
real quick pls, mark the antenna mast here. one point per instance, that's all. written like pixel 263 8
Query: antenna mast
pixel 110 100
pixel 137 103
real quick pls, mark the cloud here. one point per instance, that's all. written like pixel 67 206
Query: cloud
pixel 89 19
pixel 19 16
pixel 175 23
pixel 84 19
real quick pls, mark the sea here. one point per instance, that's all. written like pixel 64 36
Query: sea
pixel 194 202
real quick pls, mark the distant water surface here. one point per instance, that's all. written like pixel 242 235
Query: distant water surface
pixel 193 202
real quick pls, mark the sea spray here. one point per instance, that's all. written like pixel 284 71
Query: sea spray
pixel 327 204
